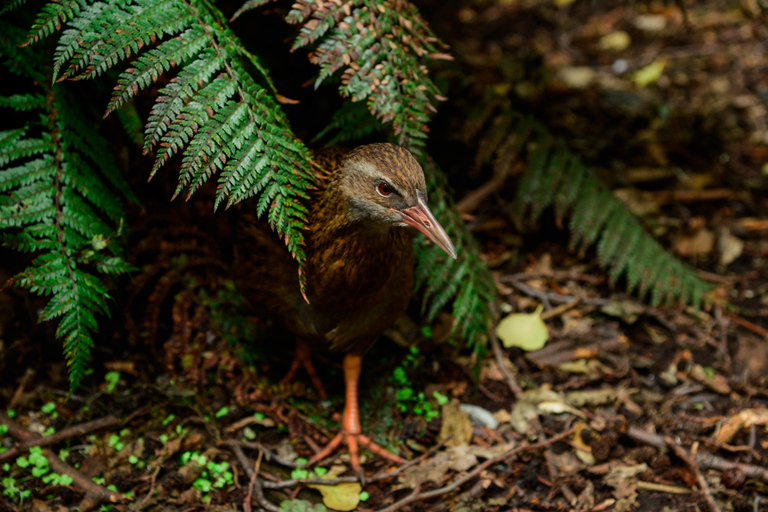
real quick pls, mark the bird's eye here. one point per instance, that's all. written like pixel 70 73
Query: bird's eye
pixel 384 189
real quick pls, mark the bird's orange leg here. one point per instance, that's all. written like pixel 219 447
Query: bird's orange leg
pixel 303 358
pixel 351 433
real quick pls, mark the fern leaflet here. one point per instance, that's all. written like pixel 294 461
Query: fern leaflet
pixel 56 203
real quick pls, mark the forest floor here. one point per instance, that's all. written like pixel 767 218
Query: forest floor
pixel 627 407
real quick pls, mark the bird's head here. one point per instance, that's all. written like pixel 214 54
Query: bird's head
pixel 383 184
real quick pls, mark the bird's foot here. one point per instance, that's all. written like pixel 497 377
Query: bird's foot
pixel 354 442
pixel 303 359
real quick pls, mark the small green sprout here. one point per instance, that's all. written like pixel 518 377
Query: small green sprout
pixel 168 419
pixel 364 496
pixel 3 430
pixel 112 378
pixel 48 408
pixel 115 442
pixel 299 473
pixel 133 459
pixel 222 412
pixel 441 398
pixel 11 490
pixel 320 471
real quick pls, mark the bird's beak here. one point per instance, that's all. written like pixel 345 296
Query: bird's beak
pixel 421 218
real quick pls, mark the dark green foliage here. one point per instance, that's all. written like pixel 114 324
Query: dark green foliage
pixel 61 202
pixel 465 281
pixel 555 177
pixel 380 47
pixel 213 112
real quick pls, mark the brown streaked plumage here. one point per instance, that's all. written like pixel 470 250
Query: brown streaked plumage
pixel 359 268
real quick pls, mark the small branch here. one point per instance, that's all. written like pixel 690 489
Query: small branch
pixel 508 375
pixel 694 467
pixel 252 484
pixel 94 493
pixel 77 430
pixel 707 460
pixel 152 482
pixel 547 298
pixel 416 496
pixel 269 456
pixel 20 389
pixel 558 353
pixel 747 324
pixel 255 486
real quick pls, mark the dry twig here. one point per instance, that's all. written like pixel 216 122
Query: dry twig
pixel 694 467
pixel 77 430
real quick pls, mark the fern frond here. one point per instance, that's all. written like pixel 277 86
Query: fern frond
pixel 63 201
pixel 464 282
pixel 351 122
pixel 379 48
pixel 213 111
pixel 555 176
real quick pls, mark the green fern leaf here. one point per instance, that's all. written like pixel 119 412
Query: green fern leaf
pixel 380 50
pixel 212 112
pixel 63 200
pixel 464 282
pixel 555 176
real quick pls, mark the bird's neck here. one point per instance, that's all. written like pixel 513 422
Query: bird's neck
pixel 342 252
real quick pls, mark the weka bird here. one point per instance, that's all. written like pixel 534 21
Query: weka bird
pixel 359 267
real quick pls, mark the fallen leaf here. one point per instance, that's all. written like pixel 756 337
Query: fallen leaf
pixel 650 74
pixel 714 381
pixel 301 506
pixel 524 330
pixel 455 423
pixel 650 22
pixel 700 243
pixel 615 41
pixel 456 458
pixel 577 77
pixel 627 310
pixel 744 419
pixel 344 496
pixel 527 407
pixel 729 247
pixel 583 450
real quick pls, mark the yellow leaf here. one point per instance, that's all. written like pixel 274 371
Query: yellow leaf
pixel 650 74
pixel 342 497
pixel 615 41
pixel 524 330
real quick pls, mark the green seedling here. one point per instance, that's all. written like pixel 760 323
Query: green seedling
pixel 38 466
pixel 11 490
pixel 222 412
pixel 115 442
pixel 407 397
pixel 300 473
pixel 215 474
pixel 112 378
